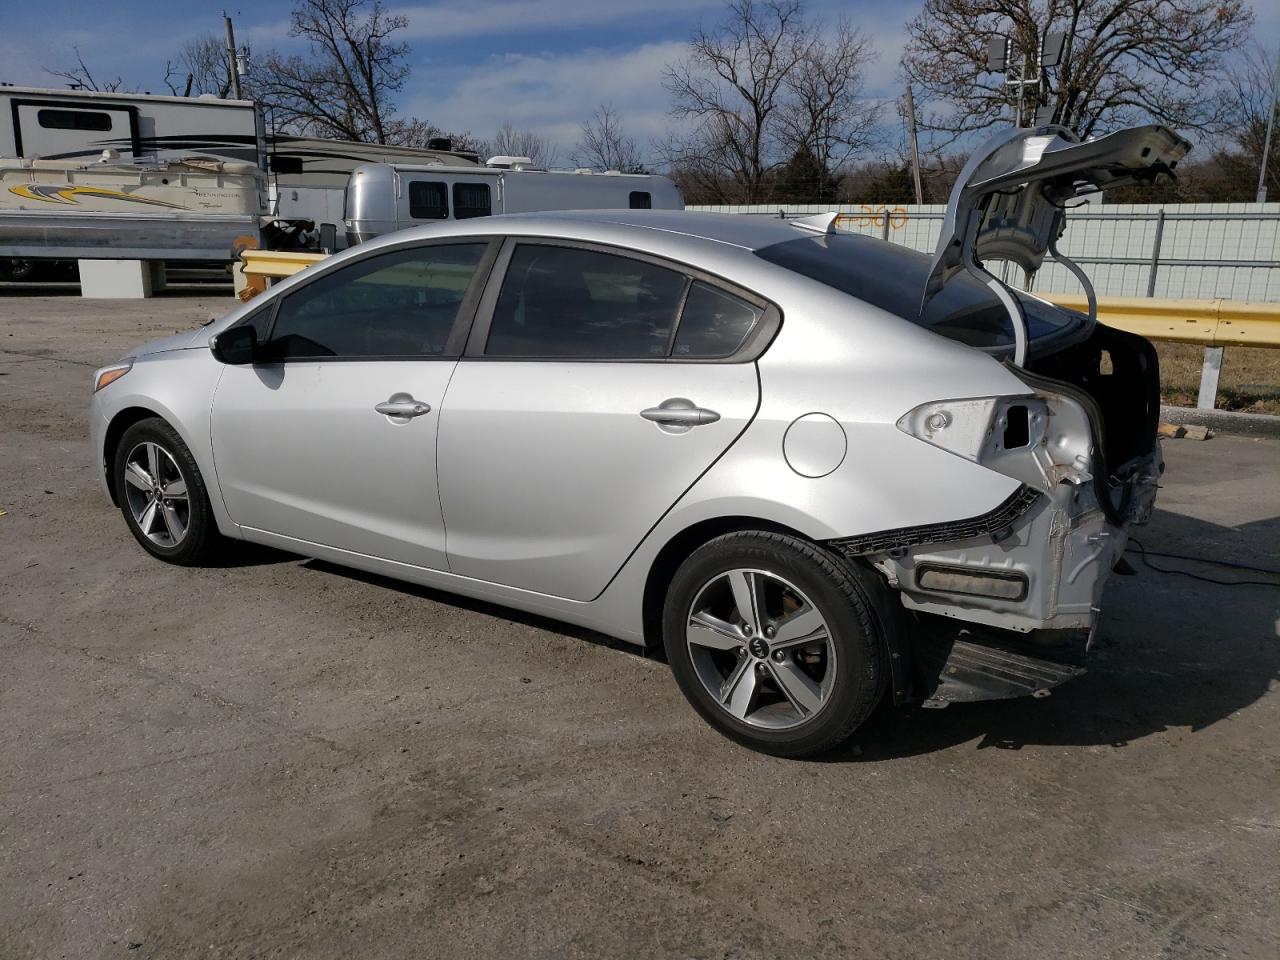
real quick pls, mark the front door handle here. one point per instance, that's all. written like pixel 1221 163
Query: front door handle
pixel 678 415
pixel 402 406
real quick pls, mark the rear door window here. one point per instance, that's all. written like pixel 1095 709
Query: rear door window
pixel 563 302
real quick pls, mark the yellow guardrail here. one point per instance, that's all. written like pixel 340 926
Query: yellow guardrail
pixel 1210 323
pixel 259 265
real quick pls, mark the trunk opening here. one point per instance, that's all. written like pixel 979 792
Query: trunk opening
pixel 1120 373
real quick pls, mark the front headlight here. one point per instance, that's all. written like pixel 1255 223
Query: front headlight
pixel 111 374
pixel 1041 440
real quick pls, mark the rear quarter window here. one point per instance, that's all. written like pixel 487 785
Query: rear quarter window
pixel 713 324
pixel 892 278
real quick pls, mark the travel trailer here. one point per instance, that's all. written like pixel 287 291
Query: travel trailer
pixel 309 176
pixel 383 197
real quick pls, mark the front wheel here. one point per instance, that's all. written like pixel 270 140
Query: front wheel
pixel 774 642
pixel 162 494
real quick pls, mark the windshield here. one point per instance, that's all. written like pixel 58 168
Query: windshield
pixel 892 277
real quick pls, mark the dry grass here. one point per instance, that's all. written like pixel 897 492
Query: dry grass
pixel 1250 377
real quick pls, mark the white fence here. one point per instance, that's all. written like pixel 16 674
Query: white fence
pixel 1184 251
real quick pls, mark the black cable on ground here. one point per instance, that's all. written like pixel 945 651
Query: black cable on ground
pixel 1142 553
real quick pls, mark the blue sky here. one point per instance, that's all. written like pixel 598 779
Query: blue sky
pixel 541 64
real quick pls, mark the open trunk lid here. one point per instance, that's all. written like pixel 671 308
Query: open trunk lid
pixel 1009 202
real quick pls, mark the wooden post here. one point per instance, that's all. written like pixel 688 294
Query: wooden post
pixel 231 59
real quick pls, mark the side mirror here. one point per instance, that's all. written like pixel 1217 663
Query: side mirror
pixel 236 346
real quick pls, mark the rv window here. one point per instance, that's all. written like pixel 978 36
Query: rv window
pixel 713 324
pixel 397 304
pixel 641 200
pixel 428 201
pixel 564 302
pixel 73 120
pixel 283 163
pixel 471 200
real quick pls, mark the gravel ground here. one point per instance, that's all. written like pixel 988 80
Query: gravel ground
pixel 279 758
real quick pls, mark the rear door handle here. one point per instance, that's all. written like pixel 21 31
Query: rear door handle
pixel 678 412
pixel 402 405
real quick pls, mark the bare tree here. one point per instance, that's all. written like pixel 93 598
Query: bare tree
pixel 1124 60
pixel 604 144
pixel 826 114
pixel 728 92
pixel 200 67
pixel 80 77
pixel 510 142
pixel 345 88
pixel 413 132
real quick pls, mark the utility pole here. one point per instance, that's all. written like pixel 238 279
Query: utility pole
pixel 915 145
pixel 1266 144
pixel 231 59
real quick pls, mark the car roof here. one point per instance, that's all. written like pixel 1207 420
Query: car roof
pixel 746 231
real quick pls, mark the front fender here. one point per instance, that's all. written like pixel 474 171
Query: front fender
pixel 177 386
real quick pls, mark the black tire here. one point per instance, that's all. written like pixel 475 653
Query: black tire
pixel 200 541
pixel 17 269
pixel 842 597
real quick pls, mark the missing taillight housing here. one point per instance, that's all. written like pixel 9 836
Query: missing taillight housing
pixel 1017 427
pixel 1008 585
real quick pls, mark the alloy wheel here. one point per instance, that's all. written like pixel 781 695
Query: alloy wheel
pixel 156 492
pixel 761 649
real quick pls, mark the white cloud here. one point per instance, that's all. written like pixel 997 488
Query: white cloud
pixel 435 21
pixel 550 94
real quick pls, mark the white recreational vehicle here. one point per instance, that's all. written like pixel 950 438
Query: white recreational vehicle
pixel 85 174
pixel 78 125
pixel 114 176
pixel 91 175
pixel 383 197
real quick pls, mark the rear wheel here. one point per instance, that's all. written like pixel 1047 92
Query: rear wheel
pixel 774 642
pixel 162 494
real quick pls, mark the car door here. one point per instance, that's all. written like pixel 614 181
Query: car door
pixel 596 388
pixel 330 439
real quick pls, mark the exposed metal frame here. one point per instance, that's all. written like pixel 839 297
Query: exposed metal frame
pixel 901 538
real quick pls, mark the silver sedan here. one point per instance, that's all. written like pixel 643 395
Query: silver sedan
pixel 741 438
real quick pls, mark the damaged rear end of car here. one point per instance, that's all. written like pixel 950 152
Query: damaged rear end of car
pixel 1024 582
